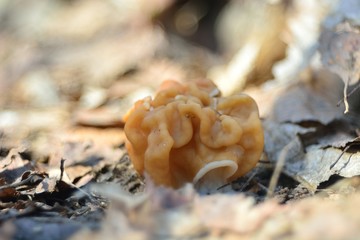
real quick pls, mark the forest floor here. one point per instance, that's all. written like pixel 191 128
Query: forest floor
pixel 72 69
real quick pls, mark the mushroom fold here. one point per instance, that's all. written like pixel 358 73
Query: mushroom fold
pixel 188 133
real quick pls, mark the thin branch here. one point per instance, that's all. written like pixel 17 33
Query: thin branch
pixel 350 93
pixel 354 142
pixel 62 169
pixel 278 168
pixel 337 160
pixel 251 177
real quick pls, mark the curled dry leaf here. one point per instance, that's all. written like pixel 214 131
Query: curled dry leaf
pixel 314 163
pixel 163 213
pixel 302 102
pixel 13 165
pixel 313 99
pixel 340 52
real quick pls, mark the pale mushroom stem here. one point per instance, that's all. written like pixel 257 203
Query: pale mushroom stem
pixel 213 175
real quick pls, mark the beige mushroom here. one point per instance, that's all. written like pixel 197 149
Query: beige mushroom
pixel 188 133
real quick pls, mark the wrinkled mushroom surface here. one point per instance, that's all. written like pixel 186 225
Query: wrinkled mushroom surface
pixel 188 133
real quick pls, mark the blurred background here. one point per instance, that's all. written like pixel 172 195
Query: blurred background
pixel 67 63
pixel 71 69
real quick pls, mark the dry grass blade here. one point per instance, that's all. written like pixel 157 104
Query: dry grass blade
pixel 279 167
pixel 346 95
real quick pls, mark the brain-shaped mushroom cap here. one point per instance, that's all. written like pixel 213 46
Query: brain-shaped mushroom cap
pixel 188 133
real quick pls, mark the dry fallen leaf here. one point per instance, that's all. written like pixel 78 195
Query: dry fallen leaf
pixel 99 117
pixel 182 214
pixel 302 102
pixel 313 98
pixel 340 53
pixel 102 55
pixel 14 165
pixel 312 161
pixel 233 212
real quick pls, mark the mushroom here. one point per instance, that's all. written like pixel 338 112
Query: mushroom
pixel 188 133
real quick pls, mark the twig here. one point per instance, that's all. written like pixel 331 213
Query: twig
pixel 62 169
pixel 251 177
pixel 354 142
pixel 337 160
pixel 345 96
pixel 223 186
pixel 263 187
pixel 349 94
pixel 32 179
pixel 278 168
pixel 264 161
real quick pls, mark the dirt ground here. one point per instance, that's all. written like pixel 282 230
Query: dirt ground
pixel 71 70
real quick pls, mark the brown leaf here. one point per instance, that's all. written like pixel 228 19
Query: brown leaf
pixel 311 163
pixel 13 166
pixel 301 102
pixel 29 181
pixel 100 117
pixel 94 136
pixel 311 99
pixel 47 185
pixel 340 52
pixel 77 171
pixel 7 193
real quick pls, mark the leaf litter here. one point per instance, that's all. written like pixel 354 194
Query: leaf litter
pixel 64 170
